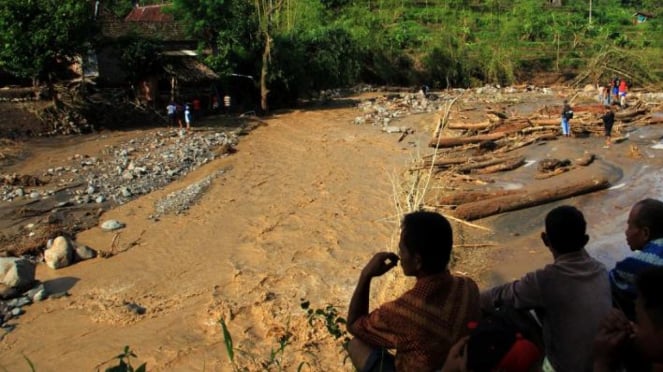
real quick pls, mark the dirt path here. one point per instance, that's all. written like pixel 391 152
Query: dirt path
pixel 302 204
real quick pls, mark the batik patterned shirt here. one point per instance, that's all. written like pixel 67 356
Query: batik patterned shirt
pixel 424 322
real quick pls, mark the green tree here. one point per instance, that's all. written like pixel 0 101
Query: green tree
pixel 227 27
pixel 37 37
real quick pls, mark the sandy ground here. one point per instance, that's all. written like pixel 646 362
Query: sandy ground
pixel 304 203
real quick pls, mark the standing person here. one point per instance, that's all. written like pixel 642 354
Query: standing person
pixel 171 109
pixel 615 88
pixel 196 109
pixel 188 116
pixel 570 296
pixel 607 98
pixel 424 322
pixel 179 112
pixel 623 88
pixel 227 103
pixel 644 235
pixel 567 115
pixel 608 121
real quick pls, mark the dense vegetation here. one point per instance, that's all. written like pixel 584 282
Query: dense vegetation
pixel 296 47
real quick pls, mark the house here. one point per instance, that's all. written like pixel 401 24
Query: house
pixel 181 75
pixel 641 17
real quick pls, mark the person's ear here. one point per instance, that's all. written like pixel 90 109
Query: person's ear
pixel 418 262
pixel 646 232
pixel 585 240
pixel 544 239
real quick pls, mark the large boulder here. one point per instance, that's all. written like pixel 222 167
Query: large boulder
pixel 59 254
pixel 16 272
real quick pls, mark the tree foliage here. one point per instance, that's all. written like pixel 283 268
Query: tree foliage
pixel 39 35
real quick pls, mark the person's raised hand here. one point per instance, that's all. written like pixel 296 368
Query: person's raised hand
pixel 380 264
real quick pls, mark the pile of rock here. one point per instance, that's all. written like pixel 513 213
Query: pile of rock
pixel 17 276
pixel 135 168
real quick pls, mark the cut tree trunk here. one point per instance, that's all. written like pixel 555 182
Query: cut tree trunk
pixel 445 162
pixel 470 126
pixel 507 165
pixel 485 208
pixel 473 196
pixel 496 161
pixel 460 141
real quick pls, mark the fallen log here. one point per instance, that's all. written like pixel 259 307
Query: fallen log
pixel 459 141
pixel 626 114
pixel 539 129
pixel 485 208
pixel 470 167
pixel 507 165
pixel 545 122
pixel 445 162
pixel 470 126
pixel 473 196
pixel 526 142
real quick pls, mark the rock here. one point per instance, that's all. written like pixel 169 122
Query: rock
pixel 100 199
pixel 16 312
pixel 16 272
pixel 392 129
pixel 60 254
pixel 83 252
pixel 135 308
pixel 37 293
pixel 19 301
pixel 111 225
pixel 91 190
pixel 19 192
pixel 125 192
pixel 34 195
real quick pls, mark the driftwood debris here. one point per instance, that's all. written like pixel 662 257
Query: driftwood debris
pixel 489 207
pixel 467 168
pixel 506 165
pixel 473 196
pixel 459 141
pixel 470 126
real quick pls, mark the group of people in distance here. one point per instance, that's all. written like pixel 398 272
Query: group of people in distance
pixel 614 91
pixel 571 315
pixel 186 113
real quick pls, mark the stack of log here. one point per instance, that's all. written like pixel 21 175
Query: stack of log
pixel 463 150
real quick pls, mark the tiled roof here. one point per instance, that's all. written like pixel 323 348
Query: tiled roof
pixel 149 13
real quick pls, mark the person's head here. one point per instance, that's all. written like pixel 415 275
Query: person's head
pixel 565 230
pixel 645 223
pixel 425 244
pixel 649 314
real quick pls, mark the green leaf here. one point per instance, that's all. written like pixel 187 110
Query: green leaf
pixel 227 339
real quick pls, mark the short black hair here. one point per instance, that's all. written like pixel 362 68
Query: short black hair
pixel 428 234
pixel 650 214
pixel 566 229
pixel 648 284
